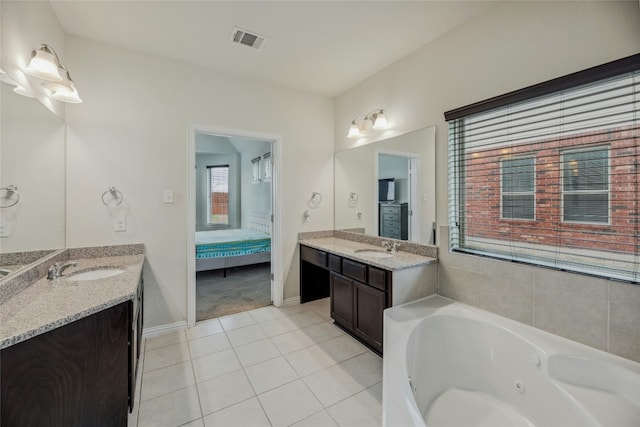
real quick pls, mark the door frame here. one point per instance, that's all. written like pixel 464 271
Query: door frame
pixel 277 281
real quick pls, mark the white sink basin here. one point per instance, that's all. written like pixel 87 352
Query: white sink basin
pixel 374 253
pixel 98 273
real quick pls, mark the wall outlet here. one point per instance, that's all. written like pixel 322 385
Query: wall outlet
pixel 120 224
pixel 5 229
pixel 168 196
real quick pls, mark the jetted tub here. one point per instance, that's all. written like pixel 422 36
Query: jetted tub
pixel 449 364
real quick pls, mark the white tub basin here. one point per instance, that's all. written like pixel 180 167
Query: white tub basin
pixel 374 253
pixel 95 274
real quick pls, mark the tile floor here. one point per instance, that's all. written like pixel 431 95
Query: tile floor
pixel 265 367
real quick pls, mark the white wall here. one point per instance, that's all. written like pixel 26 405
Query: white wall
pixel 256 197
pixel 510 46
pixel 132 132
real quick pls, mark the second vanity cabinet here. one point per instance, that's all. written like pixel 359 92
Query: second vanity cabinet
pixel 359 295
pixel 359 292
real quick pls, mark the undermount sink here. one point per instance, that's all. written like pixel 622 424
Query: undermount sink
pixel 374 253
pixel 95 274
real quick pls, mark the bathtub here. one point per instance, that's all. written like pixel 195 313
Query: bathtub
pixel 449 364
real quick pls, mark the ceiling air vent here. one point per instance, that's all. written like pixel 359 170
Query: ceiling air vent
pixel 247 38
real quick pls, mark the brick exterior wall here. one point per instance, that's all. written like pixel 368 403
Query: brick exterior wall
pixel 219 203
pixel 483 194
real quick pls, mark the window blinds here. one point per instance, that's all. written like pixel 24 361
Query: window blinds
pixel 219 195
pixel 552 179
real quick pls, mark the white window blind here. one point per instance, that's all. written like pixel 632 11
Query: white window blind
pixel 218 190
pixel 255 170
pixel 267 165
pixel 552 180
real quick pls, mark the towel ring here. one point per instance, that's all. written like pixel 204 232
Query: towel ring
pixel 315 200
pixel 353 199
pixel 116 195
pixel 11 190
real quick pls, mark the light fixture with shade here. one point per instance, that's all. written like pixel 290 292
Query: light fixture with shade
pixel 22 91
pixel 361 125
pixel 44 64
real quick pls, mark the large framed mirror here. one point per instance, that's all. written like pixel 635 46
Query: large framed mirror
pixel 387 188
pixel 32 181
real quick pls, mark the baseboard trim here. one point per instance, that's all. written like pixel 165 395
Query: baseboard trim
pixel 157 330
pixel 291 301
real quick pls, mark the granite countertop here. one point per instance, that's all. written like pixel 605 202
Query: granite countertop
pixel 45 305
pixel 347 248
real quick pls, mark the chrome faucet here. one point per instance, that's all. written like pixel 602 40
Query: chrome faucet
pixel 394 247
pixel 386 245
pixel 56 270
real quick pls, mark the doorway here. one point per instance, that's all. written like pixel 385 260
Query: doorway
pixel 232 236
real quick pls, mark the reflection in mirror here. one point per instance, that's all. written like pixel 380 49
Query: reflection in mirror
pixel 32 160
pixel 388 187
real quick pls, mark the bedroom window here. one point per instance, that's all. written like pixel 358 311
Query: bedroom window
pixel 267 165
pixel 549 175
pixel 218 190
pixel 255 170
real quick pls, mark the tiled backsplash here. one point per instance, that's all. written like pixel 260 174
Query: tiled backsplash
pixel 601 313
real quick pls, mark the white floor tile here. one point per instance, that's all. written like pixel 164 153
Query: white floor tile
pixel 322 331
pixel 289 403
pixel 204 328
pixel 365 369
pixel 166 356
pixel 236 321
pixel 215 364
pixel 342 348
pixel 376 392
pixel 208 344
pixel 270 374
pixel 224 391
pixel 278 326
pixel 360 410
pixel 247 413
pixel 292 341
pixel 168 338
pixel 319 419
pixel 171 409
pixel 308 318
pixel 245 335
pixel 265 314
pixel 196 423
pixel 309 360
pixel 332 385
pixel 256 352
pixel 165 380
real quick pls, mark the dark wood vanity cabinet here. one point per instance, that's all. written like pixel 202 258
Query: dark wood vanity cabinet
pixel 80 374
pixel 359 293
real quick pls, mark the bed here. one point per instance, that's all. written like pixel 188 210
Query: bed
pixel 222 249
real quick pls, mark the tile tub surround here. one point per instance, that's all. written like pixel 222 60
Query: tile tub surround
pixel 594 311
pixel 346 248
pixel 44 305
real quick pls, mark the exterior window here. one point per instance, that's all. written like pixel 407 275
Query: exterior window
pixel 218 190
pixel 549 175
pixel 255 170
pixel 267 165
pixel 585 186
pixel 518 188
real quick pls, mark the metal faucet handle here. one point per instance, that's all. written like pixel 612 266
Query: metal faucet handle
pixel 395 246
pixel 386 245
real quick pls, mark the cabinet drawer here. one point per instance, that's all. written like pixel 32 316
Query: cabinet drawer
pixel 313 256
pixel 335 263
pixel 378 278
pixel 389 210
pixel 354 269
pixel 391 217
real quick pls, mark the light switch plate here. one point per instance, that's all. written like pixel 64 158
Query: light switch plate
pixel 168 196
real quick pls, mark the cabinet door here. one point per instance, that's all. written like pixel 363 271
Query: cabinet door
pixel 342 300
pixel 367 319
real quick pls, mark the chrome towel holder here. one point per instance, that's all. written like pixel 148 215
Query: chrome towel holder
pixel 11 190
pixel 116 197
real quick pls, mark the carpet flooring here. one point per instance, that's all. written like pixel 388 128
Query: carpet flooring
pixel 244 288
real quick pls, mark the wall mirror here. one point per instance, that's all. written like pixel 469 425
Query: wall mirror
pixel 387 188
pixel 32 178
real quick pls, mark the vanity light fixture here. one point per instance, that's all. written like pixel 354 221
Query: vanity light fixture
pixel 22 91
pixel 361 125
pixel 45 64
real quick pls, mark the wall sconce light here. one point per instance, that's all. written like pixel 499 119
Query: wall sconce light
pixel 45 64
pixel 375 119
